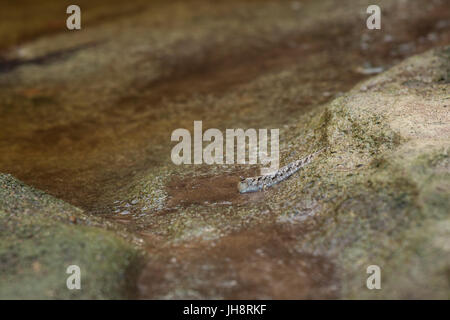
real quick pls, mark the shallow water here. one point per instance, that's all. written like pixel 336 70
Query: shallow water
pixel 91 136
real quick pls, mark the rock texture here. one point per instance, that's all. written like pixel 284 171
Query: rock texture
pixel 86 116
pixel 384 185
pixel 378 196
pixel 40 237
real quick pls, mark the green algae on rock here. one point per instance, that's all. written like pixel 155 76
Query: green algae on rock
pixel 41 236
pixel 384 185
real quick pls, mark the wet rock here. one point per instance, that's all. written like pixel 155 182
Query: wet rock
pixel 40 237
pixel 377 196
pixel 89 117
pixel 392 210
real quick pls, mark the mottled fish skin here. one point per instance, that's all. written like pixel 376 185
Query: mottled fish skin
pixel 254 184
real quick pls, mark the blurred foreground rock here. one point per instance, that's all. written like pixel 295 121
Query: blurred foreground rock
pixel 41 236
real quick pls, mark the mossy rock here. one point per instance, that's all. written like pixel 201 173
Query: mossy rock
pixel 40 236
